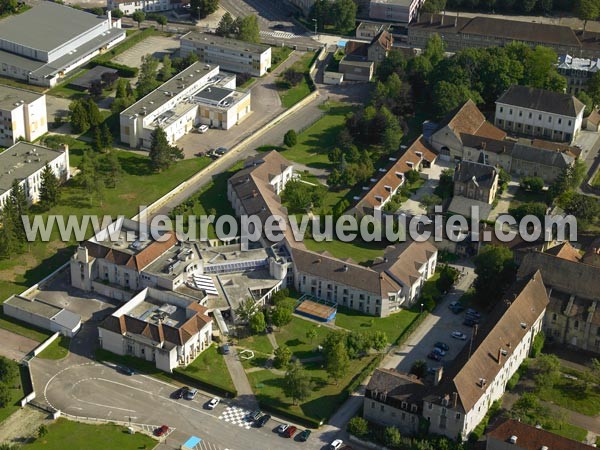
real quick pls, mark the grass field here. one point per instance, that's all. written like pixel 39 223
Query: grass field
pixel 393 326
pixel 293 335
pixel 24 329
pixel 596 180
pixel 279 55
pixel 63 90
pixel 64 434
pixel 57 349
pixel 361 252
pixel 210 368
pixel 289 97
pixel 570 395
pixel 258 342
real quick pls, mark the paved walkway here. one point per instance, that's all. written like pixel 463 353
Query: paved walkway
pixel 245 396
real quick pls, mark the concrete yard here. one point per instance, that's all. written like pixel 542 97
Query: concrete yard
pixel 15 346
pixel 157 46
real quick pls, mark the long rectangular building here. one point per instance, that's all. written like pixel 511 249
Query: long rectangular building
pixel 230 54
pixel 49 40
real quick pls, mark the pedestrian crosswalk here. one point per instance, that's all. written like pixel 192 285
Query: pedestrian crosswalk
pixel 279 34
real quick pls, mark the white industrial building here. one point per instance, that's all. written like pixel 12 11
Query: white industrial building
pixel 231 55
pixel 197 95
pixel 25 162
pixel 22 115
pixel 49 40
pixel 43 315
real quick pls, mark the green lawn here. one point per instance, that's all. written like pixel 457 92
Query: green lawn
pixel 291 96
pixel 326 397
pixel 568 394
pixel 279 55
pixel 361 252
pixel 523 196
pixel 569 431
pixel 64 434
pixel 393 326
pixel 16 393
pixel 294 336
pixel 21 85
pixel 596 180
pixel 258 342
pixel 57 349
pixel 24 329
pixel 138 186
pixel 210 368
pixel 316 141
pixel 63 90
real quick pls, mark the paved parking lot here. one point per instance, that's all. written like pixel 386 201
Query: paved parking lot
pixel 436 327
pixel 156 46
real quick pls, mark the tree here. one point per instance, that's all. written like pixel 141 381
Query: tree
pixel 433 6
pixel 5 395
pixel 79 118
pixel 312 334
pixel 247 29
pixel 94 115
pixel 258 323
pixel 9 241
pixel 584 207
pixel 338 361
pixel 358 427
pixel 42 431
pixel 203 8
pixel 547 371
pixel 107 137
pixel 167 68
pixel 226 27
pixel 8 370
pixel 139 17
pixel 533 184
pixel 344 15
pixel 117 13
pixel 115 170
pixel 379 340
pixel 302 197
pixel 434 49
pixel 536 209
pixel 49 188
pixel 429 201
pixel 282 315
pixel 503 179
pixel 587 100
pixel 148 73
pixel 297 383
pixel 419 368
pixel 392 437
pixel 97 140
pixel 283 356
pixel 162 21
pixel 162 154
pixel 290 138
pixel 246 310
pixel 587 10
pixel 448 96
pixel 494 267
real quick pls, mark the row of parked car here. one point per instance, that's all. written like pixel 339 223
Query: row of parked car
pixel 260 420
pixel 190 394
pixel 472 316
pixel 439 351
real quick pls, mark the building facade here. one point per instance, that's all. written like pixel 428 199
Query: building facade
pixel 44 43
pixel 25 162
pixel 229 54
pixel 22 115
pixel 539 113
pixel 128 7
pixel 476 181
pixel 403 11
pixel 577 71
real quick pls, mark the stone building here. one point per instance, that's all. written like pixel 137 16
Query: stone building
pixel 476 181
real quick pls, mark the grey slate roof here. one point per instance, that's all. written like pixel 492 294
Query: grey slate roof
pixel 542 100
pixel 47 25
pixel 541 156
pixel 483 174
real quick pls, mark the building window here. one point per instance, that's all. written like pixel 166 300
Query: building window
pixel 576 325
pixel 554 317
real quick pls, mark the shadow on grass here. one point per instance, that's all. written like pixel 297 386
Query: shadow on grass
pixel 47 266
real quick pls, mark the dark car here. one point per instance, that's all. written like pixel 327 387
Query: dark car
pixel 221 151
pixel 290 431
pixel 474 313
pixel 435 356
pixel 180 393
pixel 470 322
pixel 457 309
pixel 125 370
pixel 161 431
pixel 262 421
pixel 254 415
pixel 269 329
pixel 225 349
pixel 442 345
pixel 279 26
pixel 303 437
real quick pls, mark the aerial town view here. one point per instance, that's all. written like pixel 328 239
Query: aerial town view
pixel 299 224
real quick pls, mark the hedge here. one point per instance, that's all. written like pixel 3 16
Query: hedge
pixel 411 328
pixel 286 414
pixel 194 382
pixel 124 71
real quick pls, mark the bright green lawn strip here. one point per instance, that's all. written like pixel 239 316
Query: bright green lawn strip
pixel 569 431
pixel 57 349
pixel 568 394
pixel 291 96
pixel 279 55
pixel 64 434
pixel 21 85
pixel 63 90
pixel 393 325
pixel 22 328
pixel 210 368
pixel 596 180
pixel 293 335
pixel 361 252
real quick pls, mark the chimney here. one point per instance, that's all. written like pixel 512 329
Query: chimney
pixel 437 375
pixel 443 16
pixel 109 15
pixel 454 400
pixel 499 355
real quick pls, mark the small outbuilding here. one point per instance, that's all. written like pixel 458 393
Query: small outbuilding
pixel 42 314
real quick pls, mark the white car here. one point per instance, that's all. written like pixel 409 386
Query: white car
pixel 336 445
pixel 202 128
pixel 213 402
pixel 281 428
pixel 459 335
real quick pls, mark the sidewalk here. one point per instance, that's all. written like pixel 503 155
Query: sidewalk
pixel 245 395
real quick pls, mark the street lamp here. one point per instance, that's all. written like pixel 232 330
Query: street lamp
pixel 315 21
pixel 421 307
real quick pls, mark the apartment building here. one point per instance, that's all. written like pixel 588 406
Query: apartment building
pixel 231 55
pixel 159 326
pixel 128 7
pixel 46 42
pixel 536 112
pixel 22 115
pixel 197 95
pixel 25 162
pixel 402 11
pixel 577 71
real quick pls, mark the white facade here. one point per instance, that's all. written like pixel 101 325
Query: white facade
pixel 395 10
pixel 149 6
pixel 230 54
pixel 22 115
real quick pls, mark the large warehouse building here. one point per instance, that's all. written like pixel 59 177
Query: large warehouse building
pixel 44 43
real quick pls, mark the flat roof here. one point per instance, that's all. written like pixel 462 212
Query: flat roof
pixel 10 96
pixel 47 25
pixel 213 93
pixel 170 88
pixel 34 306
pixel 173 261
pixel 155 311
pixel 223 42
pixel 223 254
pixel 21 160
pixel 237 287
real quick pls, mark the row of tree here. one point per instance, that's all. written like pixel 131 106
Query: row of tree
pixel 583 8
pixel 339 15
pixel 243 28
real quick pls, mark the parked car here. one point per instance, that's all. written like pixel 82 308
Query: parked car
pixel 457 309
pixel 225 349
pixel 191 394
pixel 179 393
pixel 212 404
pixel 125 370
pixel 453 304
pixel 279 26
pixel 470 322
pixel 161 431
pixel 202 128
pixel 439 351
pixel 473 312
pixel 254 415
pixel 262 421
pixel 221 151
pixel 442 345
pixel 336 445
pixel 281 428
pixel 303 437
pixel 459 335
pixel 290 431
pixel 434 356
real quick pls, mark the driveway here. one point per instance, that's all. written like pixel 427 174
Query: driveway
pixel 14 346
